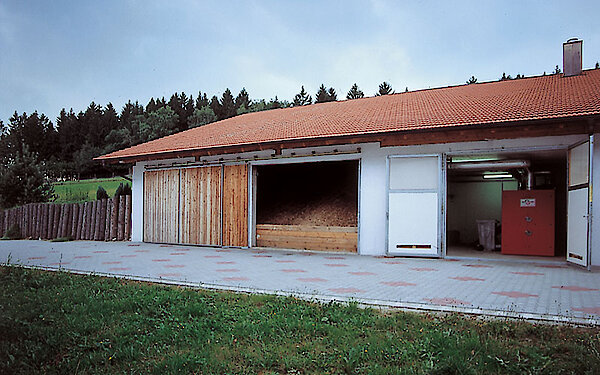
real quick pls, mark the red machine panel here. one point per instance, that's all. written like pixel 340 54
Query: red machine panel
pixel 528 222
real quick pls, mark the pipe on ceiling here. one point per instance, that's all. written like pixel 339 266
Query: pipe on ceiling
pixel 496 165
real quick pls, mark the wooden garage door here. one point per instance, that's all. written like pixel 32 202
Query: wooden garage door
pixel 161 206
pixel 235 205
pixel 201 206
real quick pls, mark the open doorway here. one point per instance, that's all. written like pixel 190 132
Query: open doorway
pixel 507 206
pixel 311 206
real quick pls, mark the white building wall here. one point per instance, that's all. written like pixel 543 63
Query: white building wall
pixel 137 202
pixel 373 180
pixel 596 202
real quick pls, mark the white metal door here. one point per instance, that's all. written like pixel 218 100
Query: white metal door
pixel 414 205
pixel 579 202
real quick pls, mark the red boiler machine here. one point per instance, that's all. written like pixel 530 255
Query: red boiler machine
pixel 528 222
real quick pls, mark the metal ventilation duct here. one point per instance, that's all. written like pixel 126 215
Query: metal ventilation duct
pixel 496 165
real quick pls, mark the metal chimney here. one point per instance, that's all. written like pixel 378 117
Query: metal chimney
pixel 572 56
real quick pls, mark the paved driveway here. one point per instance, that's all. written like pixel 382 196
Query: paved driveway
pixel 555 292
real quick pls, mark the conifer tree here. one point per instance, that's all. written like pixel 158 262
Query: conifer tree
pixel 216 107
pixel 228 108
pixel 384 89
pixel 322 96
pixel 202 100
pixel 332 95
pixel 243 99
pixel 302 98
pixel 471 80
pixel 355 92
pixel 556 70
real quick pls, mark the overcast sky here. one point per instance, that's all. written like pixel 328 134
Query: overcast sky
pixel 56 54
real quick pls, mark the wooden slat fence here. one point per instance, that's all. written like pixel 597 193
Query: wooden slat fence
pixel 100 220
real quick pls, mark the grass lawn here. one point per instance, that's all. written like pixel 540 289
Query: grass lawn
pixel 62 323
pixel 85 190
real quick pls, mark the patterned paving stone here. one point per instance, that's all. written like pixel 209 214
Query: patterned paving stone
pixel 446 301
pixel 574 288
pixel 498 286
pixel 397 283
pixel 514 294
pixel 589 310
pixel 240 278
pixel 466 278
pixel 346 290
pixel 312 280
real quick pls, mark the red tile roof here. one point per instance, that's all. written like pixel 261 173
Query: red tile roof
pixel 534 98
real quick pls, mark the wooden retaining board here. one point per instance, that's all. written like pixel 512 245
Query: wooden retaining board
pixel 161 206
pixel 200 213
pixel 307 237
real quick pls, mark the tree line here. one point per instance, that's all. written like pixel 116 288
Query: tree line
pixel 65 149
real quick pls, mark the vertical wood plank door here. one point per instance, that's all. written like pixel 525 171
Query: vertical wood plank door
pixel 235 205
pixel 200 214
pixel 161 206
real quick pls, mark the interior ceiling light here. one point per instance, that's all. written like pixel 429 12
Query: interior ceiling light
pixel 501 175
pixel 467 159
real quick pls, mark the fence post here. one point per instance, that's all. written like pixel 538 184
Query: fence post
pixel 107 223
pixel 87 218
pixel 121 230
pixel 43 213
pixel 57 215
pixel 79 227
pixel 114 218
pixel 90 227
pixel 127 217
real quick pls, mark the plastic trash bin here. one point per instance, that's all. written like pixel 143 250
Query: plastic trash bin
pixel 486 229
